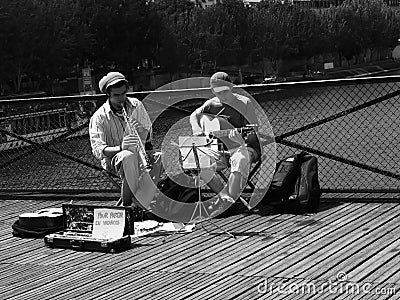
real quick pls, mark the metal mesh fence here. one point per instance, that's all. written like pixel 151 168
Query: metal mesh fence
pixel 351 125
pixel 46 148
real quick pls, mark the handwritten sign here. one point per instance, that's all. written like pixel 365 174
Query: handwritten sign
pixel 108 223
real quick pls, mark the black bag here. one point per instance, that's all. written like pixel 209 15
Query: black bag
pixel 185 192
pixel 295 187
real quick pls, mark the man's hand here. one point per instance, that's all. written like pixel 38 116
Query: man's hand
pixel 140 129
pixel 235 136
pixel 199 133
pixel 130 141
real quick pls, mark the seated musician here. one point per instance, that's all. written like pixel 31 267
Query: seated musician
pixel 120 136
pixel 235 111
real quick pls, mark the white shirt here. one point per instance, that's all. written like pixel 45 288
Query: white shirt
pixel 107 129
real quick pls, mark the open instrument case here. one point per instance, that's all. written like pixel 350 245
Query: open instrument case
pixel 78 230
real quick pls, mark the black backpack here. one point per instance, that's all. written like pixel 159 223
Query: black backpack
pixel 295 186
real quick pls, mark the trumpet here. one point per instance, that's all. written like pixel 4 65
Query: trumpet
pixel 132 130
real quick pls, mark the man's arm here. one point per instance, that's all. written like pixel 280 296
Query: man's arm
pixel 195 117
pixel 251 116
pixel 96 134
pixel 110 151
pixel 100 148
pixel 194 122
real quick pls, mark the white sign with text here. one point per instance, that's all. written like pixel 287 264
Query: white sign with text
pixel 108 223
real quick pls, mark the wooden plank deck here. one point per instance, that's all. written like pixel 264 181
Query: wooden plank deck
pixel 356 242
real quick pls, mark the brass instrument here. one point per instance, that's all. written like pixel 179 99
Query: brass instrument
pixel 132 130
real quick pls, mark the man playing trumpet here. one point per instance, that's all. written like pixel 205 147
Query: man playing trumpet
pixel 120 136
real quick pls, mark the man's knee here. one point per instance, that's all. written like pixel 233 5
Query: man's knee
pixel 207 174
pixel 126 154
pixel 124 159
pixel 240 163
pixel 129 158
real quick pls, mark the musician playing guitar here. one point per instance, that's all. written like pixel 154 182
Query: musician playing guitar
pixel 234 111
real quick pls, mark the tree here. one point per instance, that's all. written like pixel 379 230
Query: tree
pixel 125 33
pixel 358 25
pixel 341 31
pixel 220 34
pixel 59 27
pixel 372 23
pixel 20 32
pixel 48 39
pixel 175 49
pixel 285 31
pixel 40 39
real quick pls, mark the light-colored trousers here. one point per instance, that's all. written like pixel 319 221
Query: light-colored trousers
pixel 142 181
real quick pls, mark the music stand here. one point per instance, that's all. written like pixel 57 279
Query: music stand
pixel 194 164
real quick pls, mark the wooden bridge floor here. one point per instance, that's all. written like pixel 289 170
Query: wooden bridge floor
pixel 348 250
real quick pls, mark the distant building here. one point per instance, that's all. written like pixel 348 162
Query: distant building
pixel 303 3
pixel 204 3
pixel 317 3
pixel 328 3
pixel 251 2
pixel 208 3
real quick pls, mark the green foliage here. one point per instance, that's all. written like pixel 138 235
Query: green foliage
pixel 358 25
pixel 47 39
pixel 124 33
pixel 39 38
pixel 175 48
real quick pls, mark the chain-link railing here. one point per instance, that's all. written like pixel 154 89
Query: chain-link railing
pixel 351 125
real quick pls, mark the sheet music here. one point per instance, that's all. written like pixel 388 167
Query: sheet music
pixel 185 147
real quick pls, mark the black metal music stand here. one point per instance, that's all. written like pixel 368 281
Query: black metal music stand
pixel 195 172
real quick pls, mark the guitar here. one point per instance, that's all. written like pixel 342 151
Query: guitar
pixel 212 126
pixel 44 218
